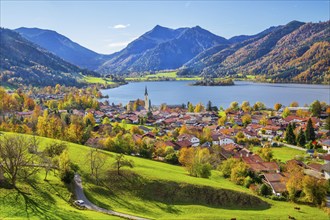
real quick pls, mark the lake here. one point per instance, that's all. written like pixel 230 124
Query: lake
pixel 178 92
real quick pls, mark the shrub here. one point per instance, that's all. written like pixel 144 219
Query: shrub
pixel 277 198
pixel 265 190
pixel 248 181
pixel 67 176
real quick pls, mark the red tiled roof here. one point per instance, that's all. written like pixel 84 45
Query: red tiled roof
pixel 315 166
pixel 184 143
pixel 274 177
pixel 278 187
pixel 264 167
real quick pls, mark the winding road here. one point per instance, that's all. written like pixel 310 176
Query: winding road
pixel 80 195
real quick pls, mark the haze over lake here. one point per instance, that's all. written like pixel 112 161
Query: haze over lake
pixel 178 92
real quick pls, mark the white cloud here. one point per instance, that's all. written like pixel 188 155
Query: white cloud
pixel 119 44
pixel 121 26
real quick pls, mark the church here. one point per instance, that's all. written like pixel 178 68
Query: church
pixel 147 101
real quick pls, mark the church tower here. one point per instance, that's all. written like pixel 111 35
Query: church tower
pixel 146 100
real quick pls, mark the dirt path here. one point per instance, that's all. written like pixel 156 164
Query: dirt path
pixel 89 205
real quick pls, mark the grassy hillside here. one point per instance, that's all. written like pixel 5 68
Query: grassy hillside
pixel 42 200
pixel 148 190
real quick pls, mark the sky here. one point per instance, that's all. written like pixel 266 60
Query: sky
pixel 108 26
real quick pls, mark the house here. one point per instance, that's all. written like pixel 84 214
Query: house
pixel 326 145
pixel 93 142
pixel 149 135
pixel 266 167
pixel 223 140
pixel 273 130
pixel 191 138
pixel 144 129
pixel 24 114
pixel 133 119
pixel 326 158
pixel 183 143
pixel 314 170
pixel 276 181
pixel 137 137
pixel 326 170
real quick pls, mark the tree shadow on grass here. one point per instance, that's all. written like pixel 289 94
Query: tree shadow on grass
pixel 36 207
pixel 121 200
pixel 174 193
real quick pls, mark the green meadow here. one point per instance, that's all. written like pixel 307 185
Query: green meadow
pixel 97 80
pixel 161 76
pixel 284 153
pixel 147 190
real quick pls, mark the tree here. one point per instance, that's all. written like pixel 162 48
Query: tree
pixel 15 158
pixel 227 166
pixel 301 140
pixel 316 108
pixel 277 106
pixel 259 106
pixel 196 161
pixel 263 121
pixel 245 106
pixel 190 107
pixel 290 137
pixel 97 161
pixel 55 149
pixel 315 190
pixel 75 132
pixel 265 190
pixel 199 107
pixel 310 133
pixel 294 183
pixel 294 104
pixel 121 161
pixel 209 106
pixel 106 121
pixel 239 172
pixel 234 106
pixel 183 130
pixel 327 123
pixel 286 112
pixel 66 172
pixel 246 119
pixel 265 153
pixel 222 120
pixel 206 135
pixel 47 163
pixel 89 119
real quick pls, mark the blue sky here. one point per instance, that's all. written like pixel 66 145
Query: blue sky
pixel 108 26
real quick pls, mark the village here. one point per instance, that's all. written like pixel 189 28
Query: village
pixel 233 131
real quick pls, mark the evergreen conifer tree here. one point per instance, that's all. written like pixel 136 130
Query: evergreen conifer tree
pixel 301 140
pixel 289 135
pixel 310 133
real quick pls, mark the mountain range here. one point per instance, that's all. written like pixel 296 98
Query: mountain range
pixel 296 52
pixel 63 47
pixel 293 52
pixel 24 63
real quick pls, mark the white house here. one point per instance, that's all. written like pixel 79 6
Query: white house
pixel 221 139
pixel 326 145
pixel 194 140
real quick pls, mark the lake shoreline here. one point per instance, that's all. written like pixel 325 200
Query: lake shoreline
pixel 179 92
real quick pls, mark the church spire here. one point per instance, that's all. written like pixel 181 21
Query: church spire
pixel 146 91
